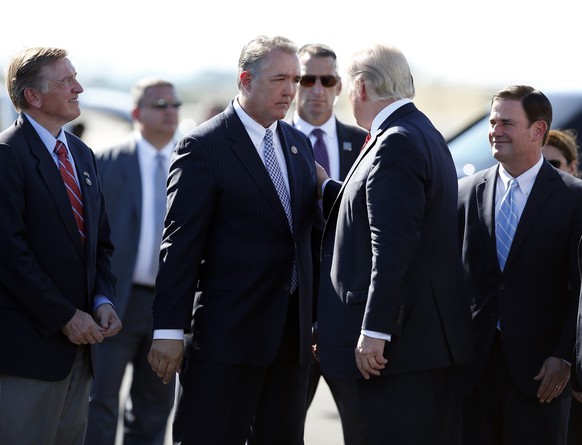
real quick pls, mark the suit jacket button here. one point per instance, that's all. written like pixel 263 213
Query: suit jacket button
pixel 501 286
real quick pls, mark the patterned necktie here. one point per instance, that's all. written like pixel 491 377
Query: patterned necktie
pixel 506 223
pixel 320 150
pixel 365 142
pixel 66 169
pixel 160 177
pixel 277 177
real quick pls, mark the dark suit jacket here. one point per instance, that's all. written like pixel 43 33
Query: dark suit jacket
pixel 227 252
pixel 390 259
pixel 45 273
pixel 350 140
pixel 121 177
pixel 536 296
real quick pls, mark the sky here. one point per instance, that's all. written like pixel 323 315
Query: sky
pixel 487 43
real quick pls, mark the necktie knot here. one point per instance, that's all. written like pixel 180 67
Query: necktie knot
pixel 60 149
pixel 318 133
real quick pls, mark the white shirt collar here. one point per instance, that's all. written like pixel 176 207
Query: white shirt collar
pixel 328 126
pixel 255 130
pixel 383 115
pixel 525 181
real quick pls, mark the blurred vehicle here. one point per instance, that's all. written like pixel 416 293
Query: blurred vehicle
pixel 470 147
pixel 105 116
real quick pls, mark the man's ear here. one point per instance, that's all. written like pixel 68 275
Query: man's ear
pixel 540 128
pixel 245 80
pixel 32 97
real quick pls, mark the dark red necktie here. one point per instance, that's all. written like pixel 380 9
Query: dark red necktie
pixel 365 142
pixel 66 169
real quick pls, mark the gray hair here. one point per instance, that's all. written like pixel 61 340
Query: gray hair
pixel 253 54
pixel 385 72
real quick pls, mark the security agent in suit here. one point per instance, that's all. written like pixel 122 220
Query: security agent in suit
pixel 227 262
pixel 128 172
pixel 524 314
pixel 393 312
pixel 319 87
pixel 56 285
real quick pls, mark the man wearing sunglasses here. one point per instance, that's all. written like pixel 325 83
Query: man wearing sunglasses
pixel 319 88
pixel 134 177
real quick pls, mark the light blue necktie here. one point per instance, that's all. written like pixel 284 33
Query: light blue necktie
pixel 160 178
pixel 277 177
pixel 506 223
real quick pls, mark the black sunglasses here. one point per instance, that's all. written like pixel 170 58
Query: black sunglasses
pixel 162 104
pixel 555 162
pixel 309 80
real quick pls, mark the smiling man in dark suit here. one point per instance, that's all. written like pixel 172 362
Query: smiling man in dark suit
pixel 236 263
pixel 524 287
pixel 56 285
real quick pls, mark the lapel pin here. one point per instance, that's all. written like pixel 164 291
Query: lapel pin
pixel 347 146
pixel 88 181
pixel 294 149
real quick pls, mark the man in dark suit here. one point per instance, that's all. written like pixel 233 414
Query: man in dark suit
pixel 236 263
pixel 391 288
pixel 56 285
pixel 134 175
pixel 319 88
pixel 525 286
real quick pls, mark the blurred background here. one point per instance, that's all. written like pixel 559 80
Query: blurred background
pixel 460 52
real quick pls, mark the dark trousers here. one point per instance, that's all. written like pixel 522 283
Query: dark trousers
pixel 146 417
pixel 347 400
pixel 496 413
pixel 228 404
pixel 415 408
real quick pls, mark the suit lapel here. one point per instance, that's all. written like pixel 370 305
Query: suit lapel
pixel 49 172
pixel 87 181
pixel 485 194
pixel 130 168
pixel 290 152
pixel 245 151
pixel 543 187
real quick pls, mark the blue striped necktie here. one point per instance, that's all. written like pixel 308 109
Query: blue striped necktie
pixel 506 223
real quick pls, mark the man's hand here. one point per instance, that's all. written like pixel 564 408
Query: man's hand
pixel 108 321
pixel 165 358
pixel 554 376
pixel 82 329
pixel 370 355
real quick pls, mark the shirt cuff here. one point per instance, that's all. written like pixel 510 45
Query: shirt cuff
pixel 375 334
pixel 99 300
pixel 168 334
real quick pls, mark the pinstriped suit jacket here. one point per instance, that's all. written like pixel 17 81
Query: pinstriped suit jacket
pixel 227 252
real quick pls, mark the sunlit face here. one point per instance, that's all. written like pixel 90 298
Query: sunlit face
pixel 158 113
pixel 60 104
pixel 315 103
pixel 514 142
pixel 268 96
pixel 557 159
